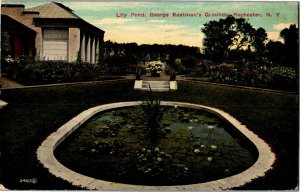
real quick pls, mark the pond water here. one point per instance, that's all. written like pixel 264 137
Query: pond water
pixel 197 147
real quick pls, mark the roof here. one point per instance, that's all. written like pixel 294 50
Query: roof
pixel 56 12
pixel 53 10
pixel 9 23
pixel 12 5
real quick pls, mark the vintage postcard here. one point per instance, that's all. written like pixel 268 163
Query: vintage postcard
pixel 149 95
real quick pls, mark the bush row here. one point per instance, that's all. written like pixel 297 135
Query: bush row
pixel 30 71
pixel 281 78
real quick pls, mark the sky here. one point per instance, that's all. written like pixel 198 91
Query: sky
pixel 155 27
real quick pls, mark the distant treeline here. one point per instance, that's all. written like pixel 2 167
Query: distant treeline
pixel 146 52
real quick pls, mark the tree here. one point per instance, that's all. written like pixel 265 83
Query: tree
pixel 291 46
pixel 189 62
pixel 290 36
pixel 275 53
pixel 231 34
pixel 258 41
pixel 4 50
pixel 4 44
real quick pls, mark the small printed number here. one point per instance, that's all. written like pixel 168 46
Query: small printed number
pixel 33 180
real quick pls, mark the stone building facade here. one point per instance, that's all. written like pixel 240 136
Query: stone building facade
pixel 52 32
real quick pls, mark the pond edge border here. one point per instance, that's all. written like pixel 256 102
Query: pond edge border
pixel 45 154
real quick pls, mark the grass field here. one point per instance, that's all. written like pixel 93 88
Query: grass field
pixel 33 114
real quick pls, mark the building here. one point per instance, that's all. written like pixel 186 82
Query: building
pixel 50 31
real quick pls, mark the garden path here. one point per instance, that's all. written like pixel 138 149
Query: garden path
pixel 7 83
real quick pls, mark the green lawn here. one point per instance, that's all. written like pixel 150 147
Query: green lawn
pixel 33 114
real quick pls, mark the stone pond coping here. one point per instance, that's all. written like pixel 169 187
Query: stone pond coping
pixel 2 104
pixel 159 85
pixel 45 155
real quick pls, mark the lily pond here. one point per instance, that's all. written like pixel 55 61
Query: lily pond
pixel 197 147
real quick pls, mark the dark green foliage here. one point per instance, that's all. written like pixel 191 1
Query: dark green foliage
pixel 4 46
pixel 173 75
pixel 258 41
pixel 291 49
pixel 121 64
pixel 285 54
pixel 138 76
pixel 251 74
pixel 189 62
pixel 225 35
pixel 153 113
pixel 275 53
pixel 31 71
pixel 284 78
pixel 123 58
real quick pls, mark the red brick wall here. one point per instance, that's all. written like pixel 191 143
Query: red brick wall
pixel 19 46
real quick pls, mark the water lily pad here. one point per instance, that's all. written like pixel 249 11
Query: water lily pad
pixel 179 165
pixel 184 119
pixel 182 133
pixel 96 126
pixel 131 139
pixel 121 151
pixel 205 119
pixel 193 159
pixel 114 125
pixel 166 122
pixel 180 154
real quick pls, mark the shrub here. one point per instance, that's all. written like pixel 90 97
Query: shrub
pixel 138 76
pixel 143 71
pixel 262 79
pixel 31 71
pixel 202 68
pixel 283 78
pixel 247 76
pixel 189 62
pixel 226 68
pixel 172 75
pixel 179 67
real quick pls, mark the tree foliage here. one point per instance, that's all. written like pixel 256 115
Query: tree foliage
pixel 291 48
pixel 189 62
pixel 275 53
pixel 231 34
pixel 287 53
pixel 121 57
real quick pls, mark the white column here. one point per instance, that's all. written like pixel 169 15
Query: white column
pixel 97 52
pixel 93 50
pixel 74 44
pixel 88 53
pixel 82 47
pixel 101 50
